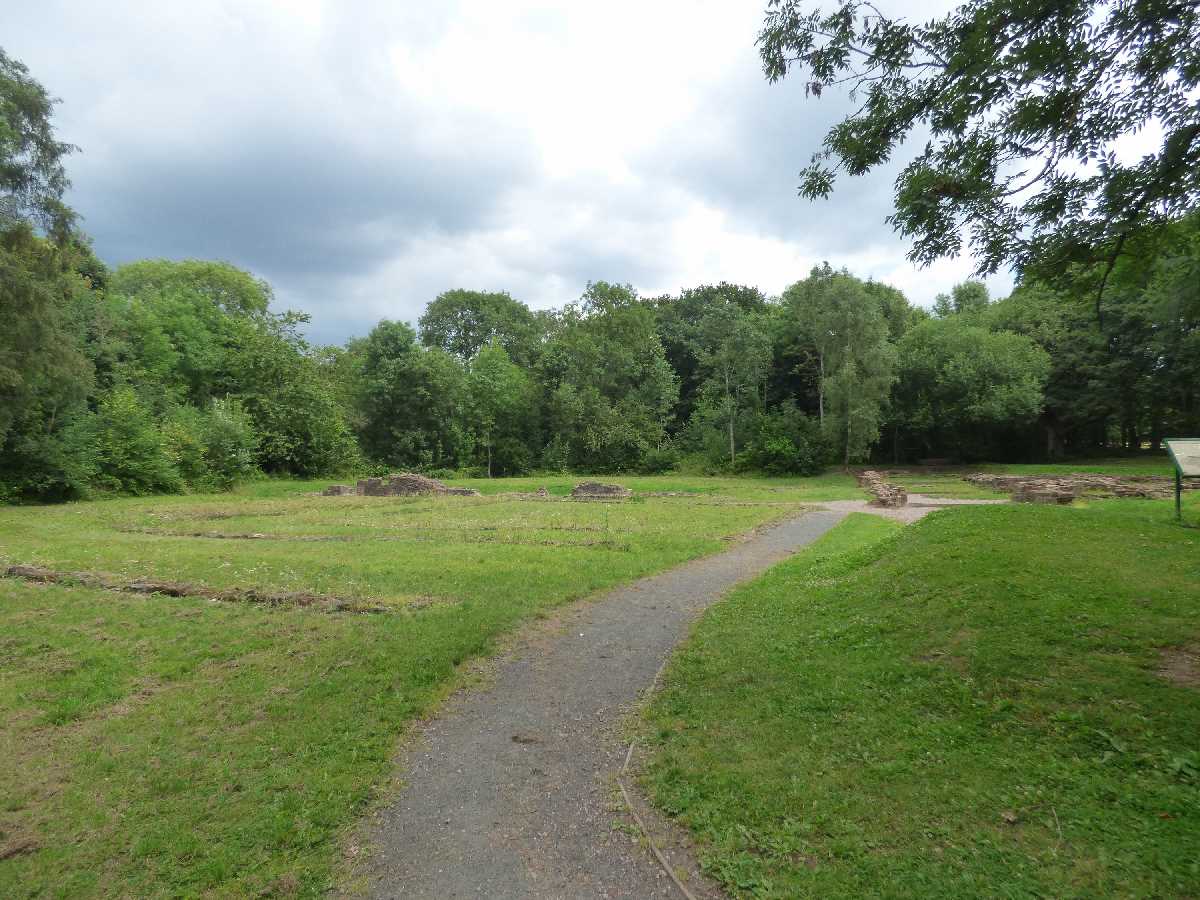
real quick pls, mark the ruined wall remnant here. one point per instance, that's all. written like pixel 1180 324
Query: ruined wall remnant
pixel 404 484
pixel 598 490
pixel 1065 488
pixel 890 496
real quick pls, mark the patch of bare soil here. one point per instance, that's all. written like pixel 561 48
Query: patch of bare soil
pixel 17 845
pixel 1181 665
pixel 258 596
pixel 952 656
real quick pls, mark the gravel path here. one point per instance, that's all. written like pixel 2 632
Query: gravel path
pixel 918 507
pixel 510 792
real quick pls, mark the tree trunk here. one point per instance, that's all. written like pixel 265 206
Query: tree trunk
pixel 846 456
pixel 821 388
pixel 489 450
pixel 732 412
pixel 1054 447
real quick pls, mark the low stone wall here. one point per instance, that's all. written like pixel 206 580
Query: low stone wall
pixel 1065 488
pixel 404 484
pixel 890 496
pixel 598 490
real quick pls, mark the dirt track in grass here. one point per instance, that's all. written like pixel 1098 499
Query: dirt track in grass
pixel 511 791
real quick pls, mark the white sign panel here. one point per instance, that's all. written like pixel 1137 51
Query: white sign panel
pixel 1186 453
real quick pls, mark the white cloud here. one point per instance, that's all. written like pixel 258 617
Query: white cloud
pixel 365 157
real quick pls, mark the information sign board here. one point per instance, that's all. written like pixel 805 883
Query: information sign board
pixel 1186 454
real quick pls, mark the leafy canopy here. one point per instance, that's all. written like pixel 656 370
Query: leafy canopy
pixel 1021 104
pixel 32 177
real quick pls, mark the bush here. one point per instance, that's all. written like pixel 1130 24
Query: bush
pixel 214 448
pixel 657 460
pixel 230 443
pixel 511 456
pixel 556 457
pixel 787 442
pixel 36 465
pixel 183 437
pixel 121 449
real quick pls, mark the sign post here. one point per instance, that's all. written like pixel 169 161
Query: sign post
pixel 1185 453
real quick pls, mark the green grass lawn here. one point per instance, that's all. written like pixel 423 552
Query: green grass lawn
pixel 1134 465
pixel 943 485
pixel 969 707
pixel 158 746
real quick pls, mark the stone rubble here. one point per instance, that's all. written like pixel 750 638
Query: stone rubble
pixel 404 484
pixel 1065 488
pixel 598 490
pixel 889 496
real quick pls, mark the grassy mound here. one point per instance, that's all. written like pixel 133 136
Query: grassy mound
pixel 994 702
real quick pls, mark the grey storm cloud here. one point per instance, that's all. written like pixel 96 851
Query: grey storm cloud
pixel 364 157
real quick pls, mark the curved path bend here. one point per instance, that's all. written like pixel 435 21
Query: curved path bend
pixel 510 791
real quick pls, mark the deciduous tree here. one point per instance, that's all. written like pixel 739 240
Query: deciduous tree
pixel 1015 109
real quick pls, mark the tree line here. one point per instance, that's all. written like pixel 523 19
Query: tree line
pixel 161 376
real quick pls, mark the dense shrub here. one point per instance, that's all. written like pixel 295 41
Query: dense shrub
pixel 230 443
pixel 213 448
pixel 119 448
pixel 658 460
pixel 183 432
pixel 787 442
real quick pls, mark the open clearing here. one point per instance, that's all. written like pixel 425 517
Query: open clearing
pixel 994 701
pixel 901 715
pixel 179 746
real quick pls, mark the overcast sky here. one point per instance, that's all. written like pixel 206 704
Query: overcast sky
pixel 364 157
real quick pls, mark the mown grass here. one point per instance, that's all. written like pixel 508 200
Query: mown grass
pixel 970 707
pixel 1124 465
pixel 942 485
pixel 159 746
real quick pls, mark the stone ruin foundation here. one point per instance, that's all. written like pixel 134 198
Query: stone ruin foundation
pixel 404 484
pixel 1065 488
pixel 889 496
pixel 598 490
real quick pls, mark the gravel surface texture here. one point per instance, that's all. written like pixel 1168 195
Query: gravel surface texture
pixel 918 507
pixel 511 791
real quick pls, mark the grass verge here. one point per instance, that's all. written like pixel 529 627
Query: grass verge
pixel 997 701
pixel 176 746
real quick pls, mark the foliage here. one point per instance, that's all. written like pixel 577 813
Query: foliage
pixel 121 448
pixel 609 388
pixel 965 299
pixel 213 448
pixel 219 285
pixel 832 318
pixel 733 353
pixel 787 442
pixel 1023 106
pixel 301 430
pixel 32 176
pixel 677 321
pixel 44 376
pixel 413 401
pixel 463 322
pixel 959 383
pixel 500 396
